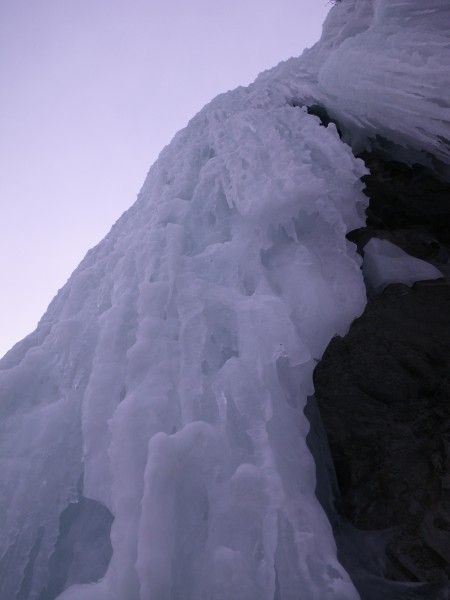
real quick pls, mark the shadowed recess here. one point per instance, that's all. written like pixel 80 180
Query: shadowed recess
pixel 83 549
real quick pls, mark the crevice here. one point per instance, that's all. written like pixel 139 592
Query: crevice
pixel 83 548
pixel 321 112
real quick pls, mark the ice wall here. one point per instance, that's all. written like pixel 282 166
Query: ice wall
pixel 171 371
pixel 167 379
pixel 389 77
pixel 381 70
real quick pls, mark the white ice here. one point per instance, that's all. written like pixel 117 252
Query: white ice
pixel 171 371
pixel 381 69
pixel 392 78
pixel 173 368
pixel 386 263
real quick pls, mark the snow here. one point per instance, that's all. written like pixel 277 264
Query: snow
pixel 386 263
pixel 170 374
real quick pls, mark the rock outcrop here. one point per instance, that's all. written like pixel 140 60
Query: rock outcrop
pixel 383 392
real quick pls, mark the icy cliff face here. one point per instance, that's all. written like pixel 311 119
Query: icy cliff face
pixel 172 370
pixel 166 383
pixel 381 70
pixel 392 78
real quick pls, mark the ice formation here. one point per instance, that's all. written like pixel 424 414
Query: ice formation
pixel 386 263
pixel 385 75
pixel 165 385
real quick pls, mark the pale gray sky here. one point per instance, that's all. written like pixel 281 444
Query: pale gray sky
pixel 90 92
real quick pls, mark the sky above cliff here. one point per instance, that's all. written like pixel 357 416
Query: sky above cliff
pixel 91 92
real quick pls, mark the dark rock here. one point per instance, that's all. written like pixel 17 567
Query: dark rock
pixel 403 197
pixel 383 392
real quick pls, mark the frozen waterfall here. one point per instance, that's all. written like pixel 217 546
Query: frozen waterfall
pixel 163 390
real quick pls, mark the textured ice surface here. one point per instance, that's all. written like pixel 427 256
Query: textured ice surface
pixel 381 69
pixel 170 373
pixel 173 368
pixel 386 263
pixel 391 78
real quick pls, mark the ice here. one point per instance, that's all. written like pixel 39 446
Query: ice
pixel 176 362
pixel 386 263
pixel 167 380
pixel 390 79
pixel 381 70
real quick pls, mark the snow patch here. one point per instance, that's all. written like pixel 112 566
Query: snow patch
pixel 385 263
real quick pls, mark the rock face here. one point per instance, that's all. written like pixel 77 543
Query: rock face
pixel 408 205
pixel 404 197
pixel 383 393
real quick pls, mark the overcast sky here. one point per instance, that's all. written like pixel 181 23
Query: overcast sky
pixel 90 92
